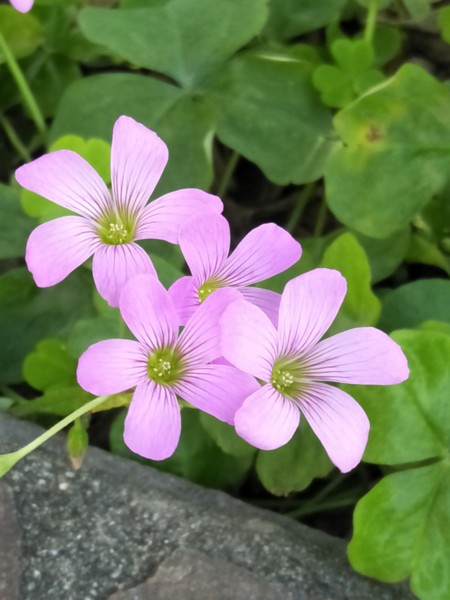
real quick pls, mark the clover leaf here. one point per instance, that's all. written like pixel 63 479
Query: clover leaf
pixel 352 74
pixel 402 526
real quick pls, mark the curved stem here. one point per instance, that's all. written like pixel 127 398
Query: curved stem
pixel 23 87
pixel 321 219
pixel 371 21
pixel 14 139
pixel 227 174
pixel 342 502
pixel 7 461
pixel 302 200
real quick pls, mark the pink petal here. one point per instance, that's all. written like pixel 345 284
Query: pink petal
pixel 221 361
pixel 163 217
pixel 153 422
pixel 199 342
pixel 266 300
pixel 147 310
pixel 184 295
pixel 114 265
pixel 364 356
pixel 266 251
pixel 58 247
pixel 111 367
pixel 138 158
pixel 248 339
pixel 68 180
pixel 267 420
pixel 338 421
pixel 205 243
pixel 22 5
pixel 309 304
pixel 218 390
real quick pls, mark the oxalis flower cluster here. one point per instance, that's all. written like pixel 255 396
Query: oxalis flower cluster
pixel 248 356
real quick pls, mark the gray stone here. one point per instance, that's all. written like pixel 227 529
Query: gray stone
pixel 190 575
pixel 111 525
pixel 9 545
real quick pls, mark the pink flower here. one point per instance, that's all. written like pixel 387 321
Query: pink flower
pixel 22 5
pixel 294 364
pixel 163 364
pixel 109 224
pixel 205 242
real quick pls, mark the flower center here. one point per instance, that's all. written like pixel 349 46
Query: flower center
pixel 210 286
pixel 116 228
pixel 165 366
pixel 289 377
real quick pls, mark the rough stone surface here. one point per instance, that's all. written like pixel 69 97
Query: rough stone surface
pixel 9 545
pixel 190 575
pixel 112 525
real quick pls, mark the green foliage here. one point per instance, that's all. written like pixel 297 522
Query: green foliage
pixel 114 401
pixel 291 18
pixel 14 225
pixel 387 43
pixel 226 438
pixel 5 403
pixel 235 98
pixel 167 272
pixel 395 154
pixel 59 401
pixel 90 331
pixel 444 23
pixel 422 250
pixel 49 365
pixel 412 303
pixel 28 315
pixel 22 33
pixel 261 105
pixel 430 242
pixel 352 75
pixel 418 9
pixel 401 527
pixel 90 107
pixel 385 255
pixel 197 457
pixel 361 307
pixel 292 467
pixel 181 39
pixel 410 422
pixel 267 111
pixel 438 326
pixel 47 75
pixel 77 443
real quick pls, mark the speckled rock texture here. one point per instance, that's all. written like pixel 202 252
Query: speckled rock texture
pixel 118 530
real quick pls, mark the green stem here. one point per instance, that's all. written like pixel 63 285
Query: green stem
pixel 303 198
pixel 371 20
pixel 11 394
pixel 7 461
pixel 330 505
pixel 321 219
pixel 326 490
pixel 227 174
pixel 23 86
pixel 14 139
